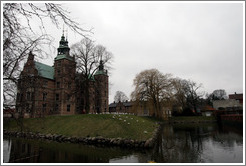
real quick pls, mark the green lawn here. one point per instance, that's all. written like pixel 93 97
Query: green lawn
pixel 107 126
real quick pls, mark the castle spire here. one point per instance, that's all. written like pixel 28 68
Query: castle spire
pixel 101 66
pixel 63 45
pixel 63 30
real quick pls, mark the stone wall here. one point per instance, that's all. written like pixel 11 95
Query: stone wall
pixel 121 142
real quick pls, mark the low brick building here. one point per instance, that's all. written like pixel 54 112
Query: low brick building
pixel 121 107
pixel 238 97
pixel 139 109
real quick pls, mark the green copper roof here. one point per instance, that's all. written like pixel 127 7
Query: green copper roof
pixel 100 72
pixel 91 77
pixel 45 70
pixel 63 56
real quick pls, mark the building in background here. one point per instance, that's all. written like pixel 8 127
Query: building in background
pixel 137 108
pixel 121 107
pixel 238 97
pixel 234 103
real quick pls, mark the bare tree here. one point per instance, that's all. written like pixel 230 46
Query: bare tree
pixel 193 94
pixel 120 97
pixel 19 37
pixel 153 87
pixel 89 57
pixel 219 94
pixel 13 60
pixel 180 92
pixel 187 94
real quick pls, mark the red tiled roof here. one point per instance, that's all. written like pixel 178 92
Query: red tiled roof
pixel 208 108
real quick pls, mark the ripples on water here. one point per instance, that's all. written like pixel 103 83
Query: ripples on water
pixel 186 143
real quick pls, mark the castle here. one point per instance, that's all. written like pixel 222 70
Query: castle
pixel 57 90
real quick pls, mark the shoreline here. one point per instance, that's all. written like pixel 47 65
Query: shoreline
pixel 192 121
pixel 119 142
pixel 129 142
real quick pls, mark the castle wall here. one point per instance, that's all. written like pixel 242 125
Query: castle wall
pixel 45 90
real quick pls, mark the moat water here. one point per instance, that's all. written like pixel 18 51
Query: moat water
pixel 179 143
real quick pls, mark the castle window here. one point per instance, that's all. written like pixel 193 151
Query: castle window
pixel 44 96
pixel 68 97
pixel 21 97
pixel 45 83
pixel 68 108
pixel 32 95
pixel 27 107
pixel 18 97
pixel 69 85
pixel 58 72
pixel 57 97
pixel 44 108
pixel 57 84
pixel 19 110
pixel 57 107
pixel 28 95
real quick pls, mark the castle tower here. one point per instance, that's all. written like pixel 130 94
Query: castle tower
pixel 64 75
pixel 101 89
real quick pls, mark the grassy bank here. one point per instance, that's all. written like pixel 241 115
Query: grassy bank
pixel 107 126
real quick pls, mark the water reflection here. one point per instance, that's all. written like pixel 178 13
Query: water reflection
pixel 33 151
pixel 189 143
pixel 181 143
pixel 6 150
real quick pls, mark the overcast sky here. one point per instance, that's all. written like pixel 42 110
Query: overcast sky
pixel 202 42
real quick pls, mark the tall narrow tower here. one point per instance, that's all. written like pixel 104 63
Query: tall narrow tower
pixel 101 89
pixel 64 75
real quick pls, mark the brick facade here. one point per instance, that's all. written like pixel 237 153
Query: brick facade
pixel 101 92
pixel 236 96
pixel 48 90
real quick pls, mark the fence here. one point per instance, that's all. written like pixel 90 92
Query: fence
pixel 232 117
